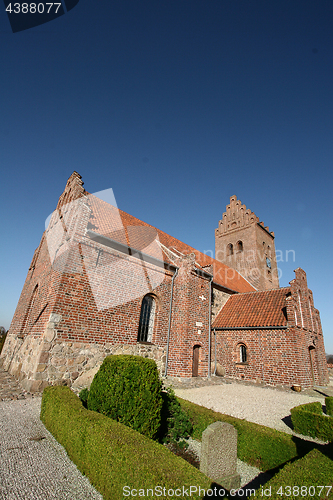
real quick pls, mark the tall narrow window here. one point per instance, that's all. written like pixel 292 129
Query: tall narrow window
pixel 147 317
pixel 230 249
pixel 239 246
pixel 242 353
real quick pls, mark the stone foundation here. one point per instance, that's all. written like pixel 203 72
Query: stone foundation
pixel 38 363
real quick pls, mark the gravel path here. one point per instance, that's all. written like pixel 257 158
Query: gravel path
pixel 262 405
pixel 34 466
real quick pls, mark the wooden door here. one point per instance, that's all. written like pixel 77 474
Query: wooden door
pixel 195 365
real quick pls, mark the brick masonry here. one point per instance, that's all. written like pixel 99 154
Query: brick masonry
pixel 82 299
pixel 245 244
pixel 289 354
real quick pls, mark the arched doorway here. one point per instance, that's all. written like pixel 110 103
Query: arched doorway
pixel 195 362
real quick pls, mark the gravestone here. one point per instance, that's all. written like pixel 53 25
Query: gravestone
pixel 219 455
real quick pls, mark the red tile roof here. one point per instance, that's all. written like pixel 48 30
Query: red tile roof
pixel 120 226
pixel 266 308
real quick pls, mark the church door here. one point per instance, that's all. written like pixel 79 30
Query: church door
pixel 195 365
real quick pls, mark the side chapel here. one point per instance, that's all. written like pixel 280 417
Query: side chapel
pixel 103 282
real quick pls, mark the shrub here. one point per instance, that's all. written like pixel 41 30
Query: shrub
pixel 329 406
pixel 308 477
pixel 2 341
pixel 257 445
pixel 128 389
pixel 309 420
pixel 112 455
pixel 84 397
pixel 176 425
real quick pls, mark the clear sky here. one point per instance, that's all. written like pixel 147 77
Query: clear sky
pixel 176 105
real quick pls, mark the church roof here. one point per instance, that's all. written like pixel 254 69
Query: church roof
pixel 254 309
pixel 122 227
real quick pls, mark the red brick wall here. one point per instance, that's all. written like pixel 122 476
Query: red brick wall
pixel 295 355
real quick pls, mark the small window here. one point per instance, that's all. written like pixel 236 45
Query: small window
pixel 230 249
pixel 147 318
pixel 239 246
pixel 242 353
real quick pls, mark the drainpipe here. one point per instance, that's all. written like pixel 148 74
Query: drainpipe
pixel 169 328
pixel 210 325
pixel 215 352
pixel 261 356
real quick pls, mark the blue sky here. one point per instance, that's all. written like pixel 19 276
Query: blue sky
pixel 176 106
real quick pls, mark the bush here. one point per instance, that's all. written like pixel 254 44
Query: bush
pixel 257 445
pixel 308 477
pixel 2 341
pixel 176 425
pixel 84 397
pixel 309 420
pixel 112 455
pixel 128 389
pixel 329 406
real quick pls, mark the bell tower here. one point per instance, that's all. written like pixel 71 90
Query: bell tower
pixel 246 245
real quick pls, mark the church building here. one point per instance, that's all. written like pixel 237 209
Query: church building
pixel 103 282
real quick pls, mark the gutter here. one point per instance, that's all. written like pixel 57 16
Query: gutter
pixel 210 326
pixel 120 247
pixel 224 328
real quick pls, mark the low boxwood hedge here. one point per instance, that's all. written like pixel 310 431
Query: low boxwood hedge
pixel 112 455
pixel 258 445
pixel 329 406
pixel 308 477
pixel 309 420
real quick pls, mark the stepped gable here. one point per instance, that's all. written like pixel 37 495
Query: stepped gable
pixel 123 227
pixel 254 309
pixel 74 189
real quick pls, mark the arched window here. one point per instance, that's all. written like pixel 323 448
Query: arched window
pixel 147 317
pixel 230 249
pixel 239 246
pixel 242 353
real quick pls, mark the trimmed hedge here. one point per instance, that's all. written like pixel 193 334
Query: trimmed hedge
pixel 312 472
pixel 128 389
pixel 309 420
pixel 111 454
pixel 258 445
pixel 329 406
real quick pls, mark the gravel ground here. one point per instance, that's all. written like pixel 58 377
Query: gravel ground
pixel 34 466
pixel 261 405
